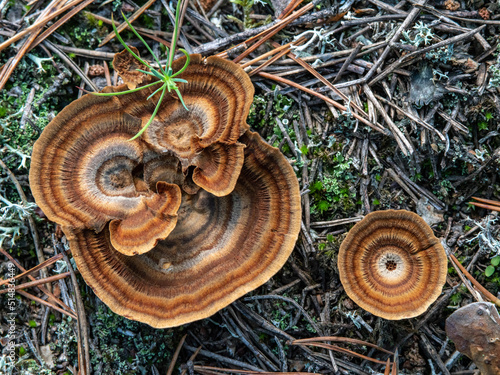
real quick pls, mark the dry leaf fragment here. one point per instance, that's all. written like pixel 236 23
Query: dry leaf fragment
pixel 126 66
pixel 475 330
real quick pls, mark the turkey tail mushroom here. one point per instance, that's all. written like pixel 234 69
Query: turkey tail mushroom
pixel 220 249
pixel 175 225
pixel 392 265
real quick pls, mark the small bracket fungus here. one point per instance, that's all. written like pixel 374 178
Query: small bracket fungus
pixel 172 226
pixel 392 265
pixel 475 330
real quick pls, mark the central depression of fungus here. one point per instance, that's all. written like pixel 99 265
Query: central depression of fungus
pixel 392 265
pixel 173 226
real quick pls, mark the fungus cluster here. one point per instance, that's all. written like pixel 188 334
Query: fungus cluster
pixel 392 265
pixel 170 227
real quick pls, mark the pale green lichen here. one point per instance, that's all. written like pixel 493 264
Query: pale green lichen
pixel 13 217
pixel 125 346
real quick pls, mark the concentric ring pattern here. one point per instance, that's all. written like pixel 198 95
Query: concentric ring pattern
pixel 221 248
pixel 173 226
pixel 392 265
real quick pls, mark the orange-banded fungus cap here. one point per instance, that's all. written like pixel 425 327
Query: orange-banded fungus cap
pixel 220 249
pixel 392 265
pixel 82 176
pixel 218 94
pixel 175 225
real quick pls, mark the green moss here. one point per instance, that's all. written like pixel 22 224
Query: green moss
pixel 127 347
pixel 248 22
pixel 280 108
pixel 332 192
pixel 87 34
pixel 66 341
pixel 14 97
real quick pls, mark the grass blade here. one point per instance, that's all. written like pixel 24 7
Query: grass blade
pixel 175 34
pixel 188 59
pixel 153 73
pixel 153 94
pixel 120 92
pixel 143 42
pixel 152 117
pixel 180 98
pixel 127 47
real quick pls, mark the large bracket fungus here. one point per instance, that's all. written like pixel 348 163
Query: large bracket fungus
pixel 392 265
pixel 173 226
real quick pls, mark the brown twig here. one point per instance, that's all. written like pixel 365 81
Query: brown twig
pixel 276 57
pixel 271 32
pixel 72 65
pixel 487 206
pixel 486 203
pixel 395 38
pixel 80 310
pixel 403 143
pixel 60 22
pixel 176 355
pixel 291 301
pixel 267 54
pixel 67 310
pixel 86 52
pixel 234 371
pixel 124 25
pixel 223 359
pixel 325 98
pixel 354 53
pixel 50 13
pixel 191 359
pixel 46 303
pixel 482 289
pixel 316 74
pixel 341 350
pixel 38 282
pixel 412 117
pixel 340 339
pixel 423 50
pixel 40 266
pixel 289 8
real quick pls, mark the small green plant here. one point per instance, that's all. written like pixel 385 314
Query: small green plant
pixel 247 5
pixel 483 125
pixel 332 191
pixel 490 270
pixel 260 116
pixel 165 76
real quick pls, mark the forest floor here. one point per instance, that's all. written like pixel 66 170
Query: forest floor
pixel 424 74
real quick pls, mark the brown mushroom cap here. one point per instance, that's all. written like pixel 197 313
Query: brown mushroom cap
pixel 220 249
pixel 218 94
pixel 177 224
pixel 82 176
pixel 84 166
pixel 392 265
